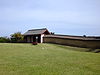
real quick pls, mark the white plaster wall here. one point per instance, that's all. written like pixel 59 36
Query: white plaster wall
pixel 42 38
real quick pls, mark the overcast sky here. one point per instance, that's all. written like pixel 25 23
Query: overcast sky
pixel 70 17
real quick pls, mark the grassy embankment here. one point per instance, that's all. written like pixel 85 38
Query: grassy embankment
pixel 47 59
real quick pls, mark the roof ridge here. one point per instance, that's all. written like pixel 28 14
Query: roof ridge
pixel 37 29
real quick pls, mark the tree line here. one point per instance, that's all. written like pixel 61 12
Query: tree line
pixel 14 38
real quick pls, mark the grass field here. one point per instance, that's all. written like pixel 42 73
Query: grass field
pixel 47 59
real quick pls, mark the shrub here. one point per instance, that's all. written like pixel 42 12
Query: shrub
pixel 4 40
pixel 34 43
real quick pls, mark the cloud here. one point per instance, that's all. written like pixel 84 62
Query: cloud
pixel 62 14
pixel 88 18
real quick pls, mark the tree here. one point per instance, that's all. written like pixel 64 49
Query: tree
pixel 17 37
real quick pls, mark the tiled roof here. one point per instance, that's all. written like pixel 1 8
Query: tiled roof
pixel 73 37
pixel 35 31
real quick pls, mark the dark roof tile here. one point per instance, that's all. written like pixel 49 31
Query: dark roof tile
pixel 35 31
pixel 72 37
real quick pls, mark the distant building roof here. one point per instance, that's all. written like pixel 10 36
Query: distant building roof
pixel 36 31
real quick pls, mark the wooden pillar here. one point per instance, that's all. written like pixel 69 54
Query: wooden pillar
pixel 25 38
pixel 30 39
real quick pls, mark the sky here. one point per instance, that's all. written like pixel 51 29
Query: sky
pixel 68 17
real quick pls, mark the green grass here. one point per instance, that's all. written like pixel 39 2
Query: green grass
pixel 47 59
